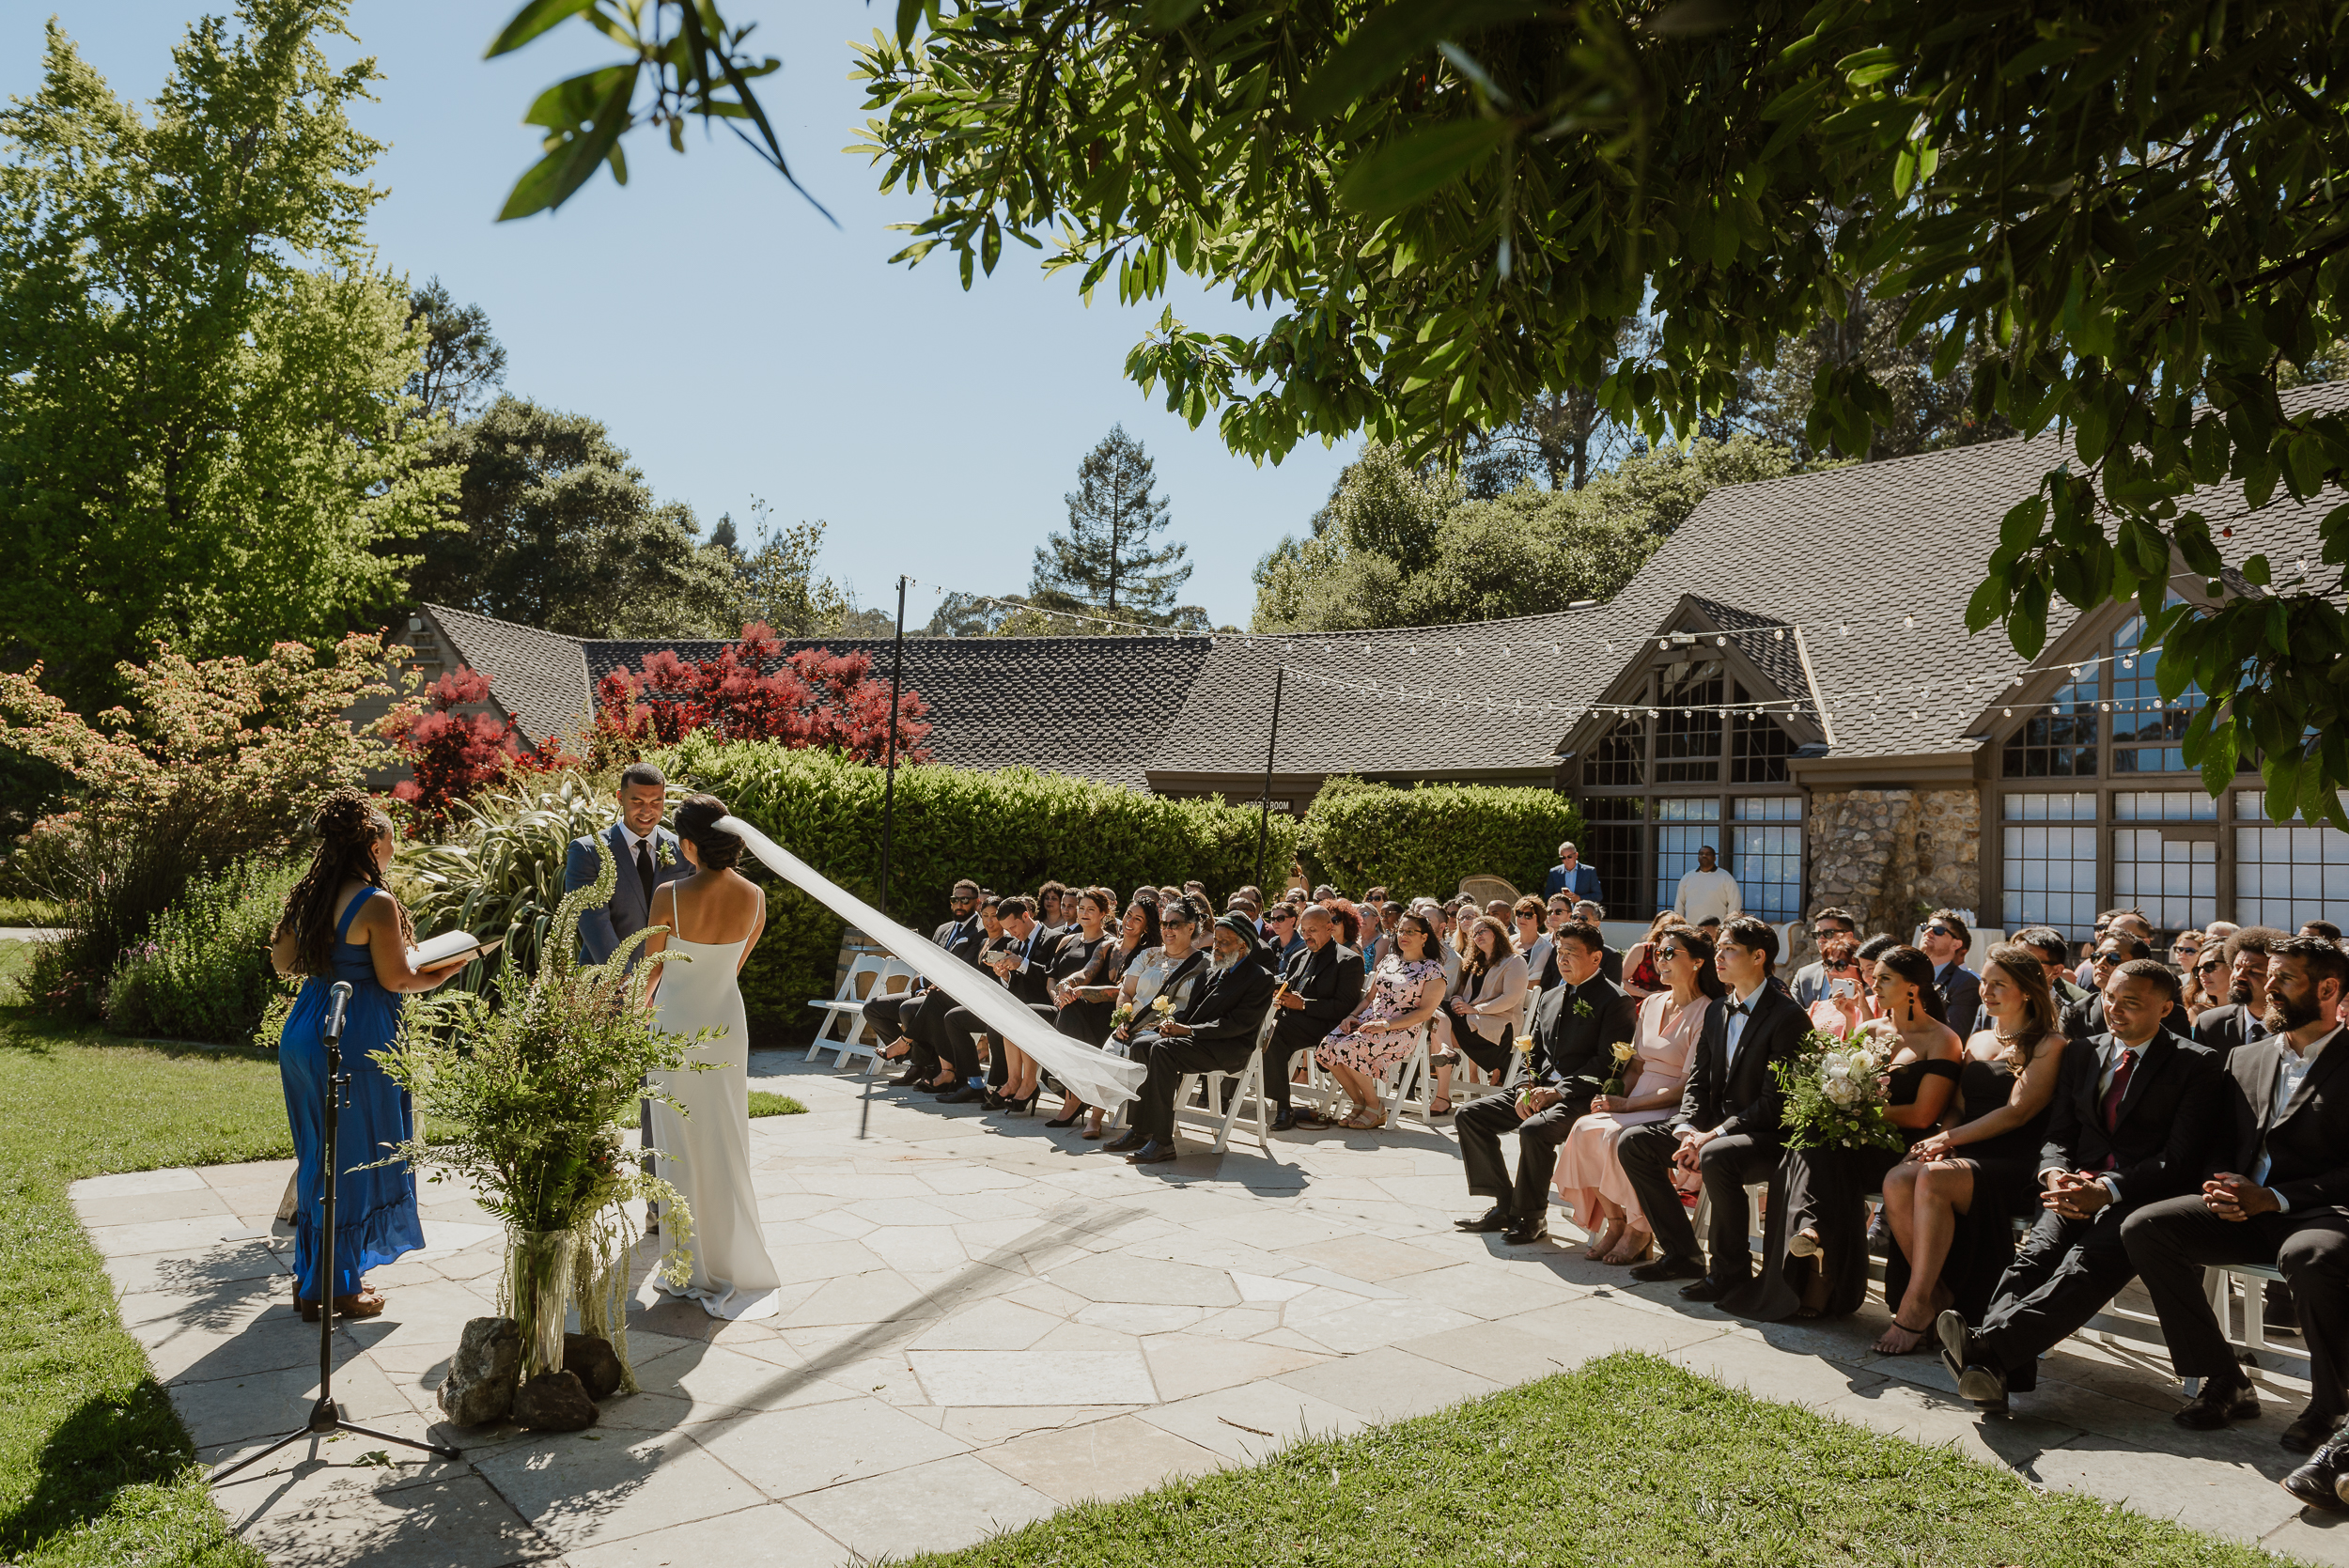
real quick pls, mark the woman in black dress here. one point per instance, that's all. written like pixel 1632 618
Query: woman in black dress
pixel 1826 1267
pixel 1952 1213
pixel 1088 961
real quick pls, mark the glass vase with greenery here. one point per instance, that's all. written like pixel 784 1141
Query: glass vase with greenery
pixel 528 1098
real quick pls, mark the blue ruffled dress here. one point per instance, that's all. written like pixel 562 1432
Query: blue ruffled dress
pixel 375 1210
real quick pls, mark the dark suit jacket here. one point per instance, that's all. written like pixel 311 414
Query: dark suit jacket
pixel 1573 1048
pixel 2169 1114
pixel 962 938
pixel 2310 1147
pixel 1225 1010
pixel 601 931
pixel 2228 1026
pixel 1742 1096
pixel 1330 983
pixel 1033 983
pixel 1610 963
pixel 1961 996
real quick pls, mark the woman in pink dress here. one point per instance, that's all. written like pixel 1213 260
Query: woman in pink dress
pixel 1589 1175
pixel 1402 994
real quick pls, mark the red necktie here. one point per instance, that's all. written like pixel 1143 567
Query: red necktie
pixel 2120 1086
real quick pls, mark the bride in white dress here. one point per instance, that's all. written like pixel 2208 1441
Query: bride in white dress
pixel 714 918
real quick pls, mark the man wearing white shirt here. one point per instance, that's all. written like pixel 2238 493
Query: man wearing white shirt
pixel 1708 893
pixel 2275 1196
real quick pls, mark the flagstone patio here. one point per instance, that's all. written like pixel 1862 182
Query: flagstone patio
pixel 986 1320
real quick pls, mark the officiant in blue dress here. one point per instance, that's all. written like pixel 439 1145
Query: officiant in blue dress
pixel 341 924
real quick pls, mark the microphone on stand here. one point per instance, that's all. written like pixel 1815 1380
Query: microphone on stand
pixel 338 999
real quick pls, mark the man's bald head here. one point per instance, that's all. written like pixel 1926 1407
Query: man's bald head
pixel 1316 926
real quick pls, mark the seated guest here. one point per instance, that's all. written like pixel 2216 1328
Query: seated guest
pixel 1402 995
pixel 1320 985
pixel 1844 1000
pixel 1052 911
pixel 2185 952
pixel 2241 1017
pixel 1611 962
pixel 1349 922
pixel 1529 938
pixel 1484 1014
pixel 1945 942
pixel 1214 1031
pixel 2323 929
pixel 1171 972
pixel 2055 954
pixel 2273 1196
pixel 900 1020
pixel 942 1060
pixel 1823 1272
pixel 1023 964
pixel 1950 1214
pixel 2084 1020
pixel 1641 975
pixel 1138 939
pixel 1727 1128
pixel 2134 1113
pixel 1809 981
pixel 1084 980
pixel 1280 932
pixel 1590 1174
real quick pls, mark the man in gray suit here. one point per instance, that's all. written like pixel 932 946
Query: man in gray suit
pixel 648 856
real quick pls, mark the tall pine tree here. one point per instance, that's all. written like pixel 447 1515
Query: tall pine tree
pixel 1106 563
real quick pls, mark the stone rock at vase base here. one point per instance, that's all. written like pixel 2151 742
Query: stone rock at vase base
pixel 590 1358
pixel 479 1388
pixel 554 1402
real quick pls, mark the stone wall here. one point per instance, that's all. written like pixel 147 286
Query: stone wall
pixel 1891 856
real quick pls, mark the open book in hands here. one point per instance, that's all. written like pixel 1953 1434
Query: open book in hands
pixel 450 950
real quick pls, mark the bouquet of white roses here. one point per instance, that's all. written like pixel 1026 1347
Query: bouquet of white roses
pixel 1834 1093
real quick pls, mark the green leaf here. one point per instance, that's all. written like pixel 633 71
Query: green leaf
pixel 550 182
pixel 2218 759
pixel 2019 529
pixel 2255 571
pixel 1386 40
pixel 533 20
pixel 1405 172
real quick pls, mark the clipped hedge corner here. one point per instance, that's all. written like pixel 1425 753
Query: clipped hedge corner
pixel 1423 840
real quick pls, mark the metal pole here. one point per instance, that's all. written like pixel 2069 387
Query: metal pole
pixel 1264 819
pixel 888 788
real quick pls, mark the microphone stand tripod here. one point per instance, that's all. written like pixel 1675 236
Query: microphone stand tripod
pixel 326 1416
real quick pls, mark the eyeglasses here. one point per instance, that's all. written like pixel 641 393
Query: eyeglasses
pixel 1279 915
pixel 1937 930
pixel 2211 966
pixel 2103 960
pixel 1666 955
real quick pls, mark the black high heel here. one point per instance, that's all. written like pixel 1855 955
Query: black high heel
pixel 1018 1107
pixel 1070 1119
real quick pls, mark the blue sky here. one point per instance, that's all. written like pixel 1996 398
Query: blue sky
pixel 935 430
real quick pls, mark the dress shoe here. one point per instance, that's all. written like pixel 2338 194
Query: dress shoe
pixel 1962 1353
pixel 963 1096
pixel 2309 1431
pixel 2220 1401
pixel 1526 1236
pixel 1708 1289
pixel 1493 1218
pixel 908 1079
pixel 1152 1153
pixel 1668 1267
pixel 1284 1122
pixel 1125 1145
pixel 2317 1482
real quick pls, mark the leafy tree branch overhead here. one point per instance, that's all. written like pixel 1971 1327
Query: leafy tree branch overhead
pixel 2128 216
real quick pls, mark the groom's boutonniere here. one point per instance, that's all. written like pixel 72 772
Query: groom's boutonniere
pixel 1582 1009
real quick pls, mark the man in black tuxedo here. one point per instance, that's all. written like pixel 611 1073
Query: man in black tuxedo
pixel 1214 1031
pixel 1945 941
pixel 1024 965
pixel 1727 1128
pixel 1576 1025
pixel 1319 984
pixel 2134 1115
pixel 913 1017
pixel 2242 1018
pixel 2275 1195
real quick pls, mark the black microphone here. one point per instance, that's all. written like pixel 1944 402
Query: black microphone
pixel 339 995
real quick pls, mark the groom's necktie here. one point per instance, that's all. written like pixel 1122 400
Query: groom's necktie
pixel 643 869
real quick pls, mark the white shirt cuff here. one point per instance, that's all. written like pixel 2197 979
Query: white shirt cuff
pixel 2111 1185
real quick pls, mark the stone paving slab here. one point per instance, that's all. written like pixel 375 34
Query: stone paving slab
pixel 983 1320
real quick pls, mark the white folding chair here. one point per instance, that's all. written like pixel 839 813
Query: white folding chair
pixel 846 1008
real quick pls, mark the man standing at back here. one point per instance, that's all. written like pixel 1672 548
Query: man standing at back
pixel 1708 893
pixel 648 857
pixel 1572 877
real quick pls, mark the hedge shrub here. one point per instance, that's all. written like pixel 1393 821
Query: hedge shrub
pixel 1425 839
pixel 205 974
pixel 1007 830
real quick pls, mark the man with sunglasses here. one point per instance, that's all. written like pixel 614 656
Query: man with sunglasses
pixel 1811 980
pixel 912 1018
pixel 1945 941
pixel 2242 970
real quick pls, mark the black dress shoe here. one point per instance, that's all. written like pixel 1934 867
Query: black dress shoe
pixel 1708 1289
pixel 2232 1400
pixel 1969 1364
pixel 1125 1145
pixel 1284 1122
pixel 2308 1431
pixel 942 1090
pixel 963 1096
pixel 1668 1267
pixel 908 1079
pixel 1152 1153
pixel 1526 1236
pixel 2317 1482
pixel 1493 1218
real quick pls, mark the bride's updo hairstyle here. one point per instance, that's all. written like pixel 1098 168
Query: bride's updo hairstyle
pixel 697 821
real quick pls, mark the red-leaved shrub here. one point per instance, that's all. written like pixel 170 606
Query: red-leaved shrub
pixel 755 691
pixel 454 755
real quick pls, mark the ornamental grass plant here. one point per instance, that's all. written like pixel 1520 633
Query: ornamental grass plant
pixel 498 869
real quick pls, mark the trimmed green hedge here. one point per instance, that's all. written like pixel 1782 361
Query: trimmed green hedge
pixel 1425 839
pixel 1008 831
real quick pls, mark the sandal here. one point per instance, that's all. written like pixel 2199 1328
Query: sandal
pixel 1362 1121
pixel 1440 1108
pixel 365 1302
pixel 1922 1335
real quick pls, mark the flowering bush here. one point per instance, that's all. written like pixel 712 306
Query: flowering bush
pixel 210 762
pixel 204 973
pixel 1834 1093
pixel 453 756
pixel 753 690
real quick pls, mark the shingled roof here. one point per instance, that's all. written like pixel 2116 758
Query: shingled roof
pixel 540 677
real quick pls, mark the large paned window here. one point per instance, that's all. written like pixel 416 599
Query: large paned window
pixel 1688 733
pixel 2060 741
pixel 1758 747
pixel 2051 857
pixel 2146 729
pixel 1684 825
pixel 2163 863
pixel 1619 758
pixel 1615 844
pixel 2286 873
pixel 1765 848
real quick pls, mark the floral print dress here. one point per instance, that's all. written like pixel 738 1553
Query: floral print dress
pixel 1396 990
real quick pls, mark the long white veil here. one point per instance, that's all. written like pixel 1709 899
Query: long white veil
pixel 1093 1076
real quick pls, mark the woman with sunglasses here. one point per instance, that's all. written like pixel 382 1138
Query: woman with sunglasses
pixel 1527 935
pixel 1387 1027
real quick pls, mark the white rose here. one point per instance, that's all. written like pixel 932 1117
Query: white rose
pixel 1836 1072
pixel 1840 1091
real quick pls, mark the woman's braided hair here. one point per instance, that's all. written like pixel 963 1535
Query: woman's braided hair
pixel 349 825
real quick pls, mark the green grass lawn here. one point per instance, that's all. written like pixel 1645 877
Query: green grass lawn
pixel 765 1104
pixel 95 1468
pixel 1630 1460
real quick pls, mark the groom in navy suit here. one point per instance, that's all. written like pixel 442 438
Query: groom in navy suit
pixel 648 856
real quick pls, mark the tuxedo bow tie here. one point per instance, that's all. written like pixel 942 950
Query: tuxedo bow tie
pixel 1743 1009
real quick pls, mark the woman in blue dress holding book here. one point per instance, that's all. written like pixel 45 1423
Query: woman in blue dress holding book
pixel 342 923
